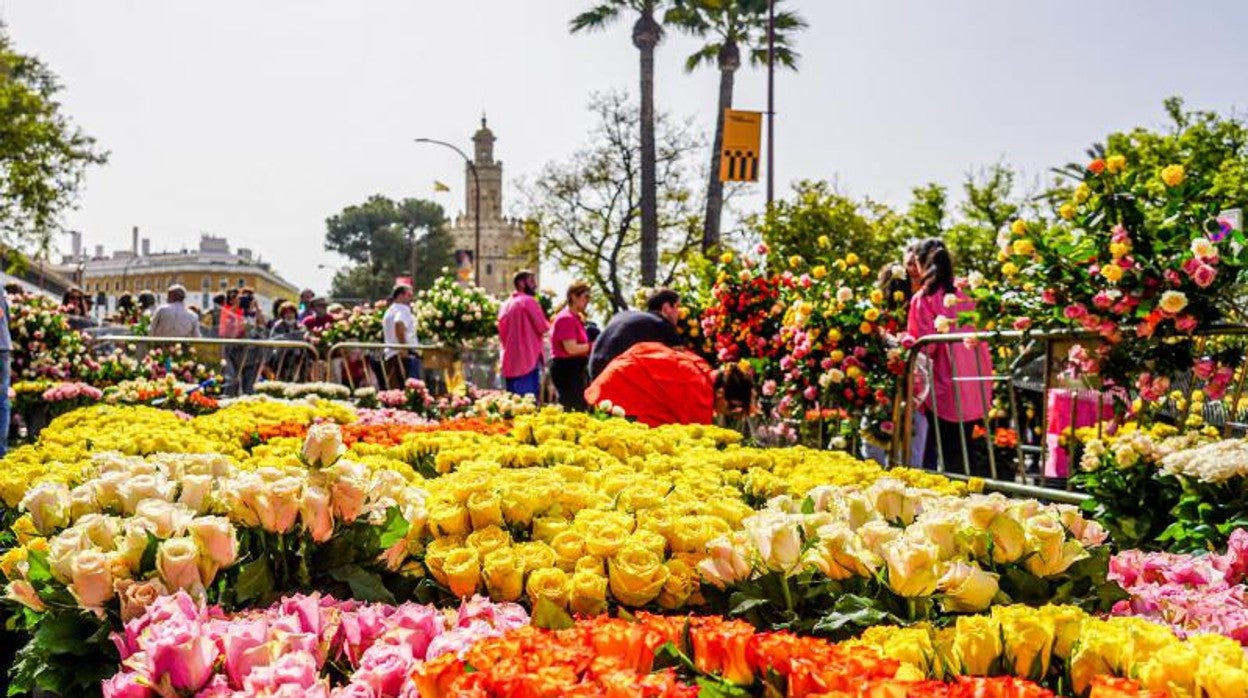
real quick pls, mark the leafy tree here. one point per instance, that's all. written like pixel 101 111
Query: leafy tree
pixel 989 204
pixel 585 211
pixel 794 226
pixel 43 156
pixel 647 33
pixel 728 26
pixel 377 236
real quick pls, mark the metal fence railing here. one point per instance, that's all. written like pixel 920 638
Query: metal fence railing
pixel 243 361
pixel 1033 401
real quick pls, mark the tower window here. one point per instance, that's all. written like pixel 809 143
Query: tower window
pixel 489 269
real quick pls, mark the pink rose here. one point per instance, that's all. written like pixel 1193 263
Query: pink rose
pixel 295 669
pixel 385 668
pixel 1204 275
pixel 1186 323
pixel 769 388
pixel 810 393
pixel 1022 323
pixel 1102 300
pixel 181 655
pixel 1075 311
pixel 125 685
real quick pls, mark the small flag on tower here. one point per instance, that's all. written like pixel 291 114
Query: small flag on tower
pixel 438 186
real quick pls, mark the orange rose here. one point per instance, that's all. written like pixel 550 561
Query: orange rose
pixel 1097 166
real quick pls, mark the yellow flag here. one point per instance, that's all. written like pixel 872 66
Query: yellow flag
pixel 438 186
pixel 739 158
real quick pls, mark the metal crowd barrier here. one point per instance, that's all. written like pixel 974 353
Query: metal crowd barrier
pixel 342 357
pixel 1030 378
pixel 243 361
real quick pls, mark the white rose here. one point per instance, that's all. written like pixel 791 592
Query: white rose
pixel 941 529
pixel 349 490
pixel 911 567
pixel 839 554
pixel 107 488
pixel 1053 554
pixel 844 294
pixel 61 552
pixel 315 511
pixel 91 581
pixel 967 588
pixel 82 502
pixel 777 540
pixel 140 487
pixel 101 530
pixel 49 506
pixel 323 445
pixel 177 560
pixel 893 502
pixel 168 520
pixel 875 535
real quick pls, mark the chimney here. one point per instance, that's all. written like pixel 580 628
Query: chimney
pixel 99 252
pixel 147 247
pixel 76 238
pixel 134 240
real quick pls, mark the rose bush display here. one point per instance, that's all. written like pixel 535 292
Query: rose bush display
pixel 455 314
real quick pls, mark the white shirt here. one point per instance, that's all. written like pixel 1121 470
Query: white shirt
pixel 399 313
pixel 174 320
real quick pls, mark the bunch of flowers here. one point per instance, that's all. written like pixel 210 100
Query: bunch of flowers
pixel 1063 646
pixel 166 393
pixel 67 396
pixel 44 345
pixel 902 552
pixel 1133 253
pixel 1192 594
pixel 455 314
pixel 361 323
pixel 178 646
pixel 664 656
pixel 743 317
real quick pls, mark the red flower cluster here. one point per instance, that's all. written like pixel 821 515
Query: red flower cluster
pixel 386 434
pixel 744 316
pixel 613 657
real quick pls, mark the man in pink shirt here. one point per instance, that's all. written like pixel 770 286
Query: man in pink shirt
pixel 521 325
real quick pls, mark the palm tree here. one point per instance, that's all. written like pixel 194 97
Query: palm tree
pixel 728 27
pixel 647 33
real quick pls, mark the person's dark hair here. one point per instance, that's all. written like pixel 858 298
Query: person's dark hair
pixel 399 289
pixel 277 306
pixel 937 264
pixel 219 299
pixel 660 298
pixel 893 279
pixel 738 386
pixel 13 289
pixel 520 276
pixel 176 293
pixel 125 302
pixel 147 299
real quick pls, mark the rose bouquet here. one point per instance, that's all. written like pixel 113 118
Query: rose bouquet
pixel 297 391
pixel 177 646
pixel 44 345
pixel 454 314
pixel 743 318
pixel 361 323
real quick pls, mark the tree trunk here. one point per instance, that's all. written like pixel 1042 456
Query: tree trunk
pixel 646 34
pixel 729 61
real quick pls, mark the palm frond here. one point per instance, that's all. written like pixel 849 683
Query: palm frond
pixel 708 54
pixel 599 16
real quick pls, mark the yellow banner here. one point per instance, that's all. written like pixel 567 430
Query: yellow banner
pixel 743 134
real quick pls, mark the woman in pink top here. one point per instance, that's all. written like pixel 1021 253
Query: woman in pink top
pixel 960 391
pixel 569 349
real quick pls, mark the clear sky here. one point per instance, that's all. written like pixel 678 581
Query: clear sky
pixel 257 119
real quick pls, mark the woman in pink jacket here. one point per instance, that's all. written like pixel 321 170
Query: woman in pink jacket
pixel 960 393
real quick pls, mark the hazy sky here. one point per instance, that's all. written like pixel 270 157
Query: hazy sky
pixel 257 119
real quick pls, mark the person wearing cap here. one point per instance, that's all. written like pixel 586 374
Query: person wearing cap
pixel 320 316
pixel 173 319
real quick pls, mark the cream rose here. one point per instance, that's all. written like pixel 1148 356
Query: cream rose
pixel 137 596
pixel 49 506
pixel 911 567
pixel 966 588
pixel 177 561
pixel 216 539
pixel 323 445
pixel 314 509
pixel 92 582
pixel 724 563
pixel 168 520
pixel 1053 554
pixel 195 490
pixel 23 592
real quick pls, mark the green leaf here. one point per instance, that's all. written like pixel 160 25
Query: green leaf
pixel 548 616
pixel 808 505
pixel 39 570
pixel 394 529
pixel 255 580
pixel 365 585
pixel 851 610
pixel 719 688
pixel 746 605
pixel 147 562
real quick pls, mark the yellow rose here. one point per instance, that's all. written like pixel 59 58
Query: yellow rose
pixel 1009 269
pixel 1023 247
pixel 1173 302
pixel 795 261
pixel 1118 250
pixel 1116 163
pixel 1216 680
pixel 550 584
pixel 1066 211
pixel 911 567
pixel 877 296
pixel 588 593
pixel 1098 652
pixel 649 540
pixel 535 555
pixel 488 539
pixel 824 241
pixel 1028 641
pixel 1082 193
pixel 726 258
pixel 636 575
pixel 569 546
pixel 485 509
pixel 605 538
pixel 1067 627
pixel 463 572
pixel 689 534
pixel 521 503
pixel 1112 273
pixel 435 556
pixel 871 314
pixel 545 528
pixel 978 644
pixel 1018 227
pixel 851 259
pixel 682 582
pixel 1172 670
pixel 1173 175
pixel 504 574
pixel 819 272
pixel 1053 554
pixel 448 519
pixel 589 563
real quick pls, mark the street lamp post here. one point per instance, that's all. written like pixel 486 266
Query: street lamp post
pixel 476 223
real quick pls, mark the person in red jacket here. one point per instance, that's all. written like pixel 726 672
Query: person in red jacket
pixel 657 384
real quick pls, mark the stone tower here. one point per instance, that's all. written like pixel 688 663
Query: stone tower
pixel 502 239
